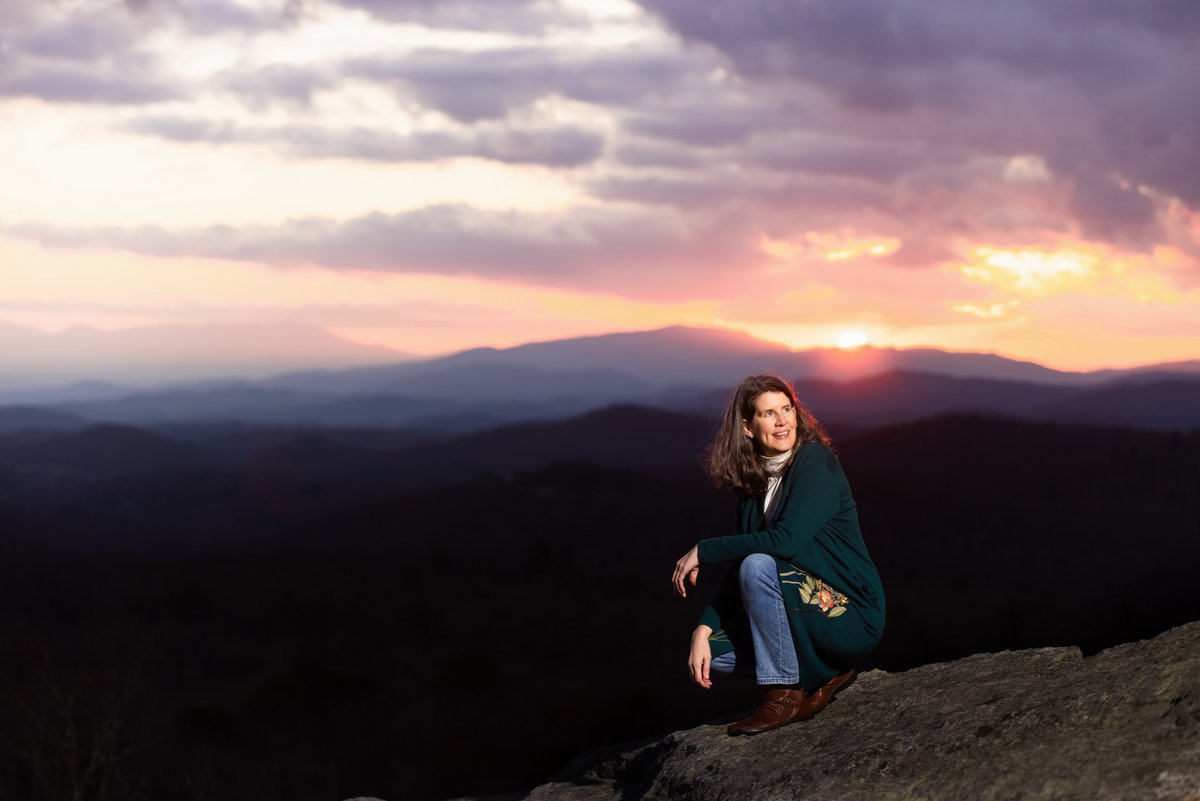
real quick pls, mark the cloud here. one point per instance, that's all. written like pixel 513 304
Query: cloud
pixel 482 85
pixel 631 253
pixel 90 54
pixel 93 37
pixel 82 85
pixel 877 161
pixel 564 146
pixel 1171 19
pixel 709 118
pixel 905 45
pixel 1110 97
pixel 264 86
pixel 209 17
pixel 1010 123
pixel 104 52
pixel 512 16
pixel 1111 212
pixel 215 17
pixel 695 132
pixel 636 153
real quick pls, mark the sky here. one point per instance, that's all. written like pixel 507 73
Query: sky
pixel 430 175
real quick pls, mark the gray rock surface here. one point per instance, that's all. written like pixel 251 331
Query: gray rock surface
pixel 1122 725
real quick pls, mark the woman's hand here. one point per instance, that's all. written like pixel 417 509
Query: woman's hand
pixel 688 567
pixel 701 656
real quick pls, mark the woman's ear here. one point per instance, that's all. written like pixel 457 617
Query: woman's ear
pixel 746 430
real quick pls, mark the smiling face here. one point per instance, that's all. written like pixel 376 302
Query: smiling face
pixel 772 426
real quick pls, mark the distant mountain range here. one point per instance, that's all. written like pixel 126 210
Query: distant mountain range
pixel 677 369
pixel 94 360
pixel 616 364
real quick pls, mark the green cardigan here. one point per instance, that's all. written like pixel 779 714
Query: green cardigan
pixel 815 532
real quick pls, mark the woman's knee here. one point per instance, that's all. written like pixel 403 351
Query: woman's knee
pixel 758 567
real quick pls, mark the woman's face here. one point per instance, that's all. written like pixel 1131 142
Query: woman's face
pixel 773 425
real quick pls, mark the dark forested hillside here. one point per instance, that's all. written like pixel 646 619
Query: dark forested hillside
pixel 319 615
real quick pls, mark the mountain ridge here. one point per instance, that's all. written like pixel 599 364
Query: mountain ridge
pixel 675 367
pixel 148 355
pixel 462 401
pixel 685 354
pixel 669 355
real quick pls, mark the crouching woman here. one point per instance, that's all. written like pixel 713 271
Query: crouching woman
pixel 801 602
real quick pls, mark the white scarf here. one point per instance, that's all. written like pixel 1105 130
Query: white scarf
pixel 774 466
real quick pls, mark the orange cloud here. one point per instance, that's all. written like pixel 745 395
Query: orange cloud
pixel 841 245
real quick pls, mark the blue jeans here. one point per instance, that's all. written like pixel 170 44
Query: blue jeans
pixel 774 658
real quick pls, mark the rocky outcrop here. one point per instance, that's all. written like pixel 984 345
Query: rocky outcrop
pixel 1038 724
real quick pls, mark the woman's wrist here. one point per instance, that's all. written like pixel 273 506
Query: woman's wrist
pixel 702 631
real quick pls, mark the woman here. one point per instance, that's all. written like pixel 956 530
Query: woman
pixel 801 601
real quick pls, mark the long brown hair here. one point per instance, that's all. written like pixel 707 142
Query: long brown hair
pixel 732 461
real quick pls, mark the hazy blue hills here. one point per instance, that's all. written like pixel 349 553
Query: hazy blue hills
pixel 617 437
pixel 675 369
pixel 898 396
pixel 495 378
pixel 141 355
pixel 97 451
pixel 229 401
pixel 902 395
pixel 21 418
pixel 1163 403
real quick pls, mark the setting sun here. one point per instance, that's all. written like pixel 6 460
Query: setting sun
pixel 849 340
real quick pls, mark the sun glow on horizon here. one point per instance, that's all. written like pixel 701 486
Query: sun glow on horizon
pixel 850 340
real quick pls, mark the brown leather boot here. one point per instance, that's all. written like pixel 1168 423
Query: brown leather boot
pixel 781 707
pixel 819 699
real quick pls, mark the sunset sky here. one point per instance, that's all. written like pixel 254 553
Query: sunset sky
pixel 1021 177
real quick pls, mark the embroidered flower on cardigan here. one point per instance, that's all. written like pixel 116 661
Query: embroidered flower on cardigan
pixel 816 592
pixel 826 598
